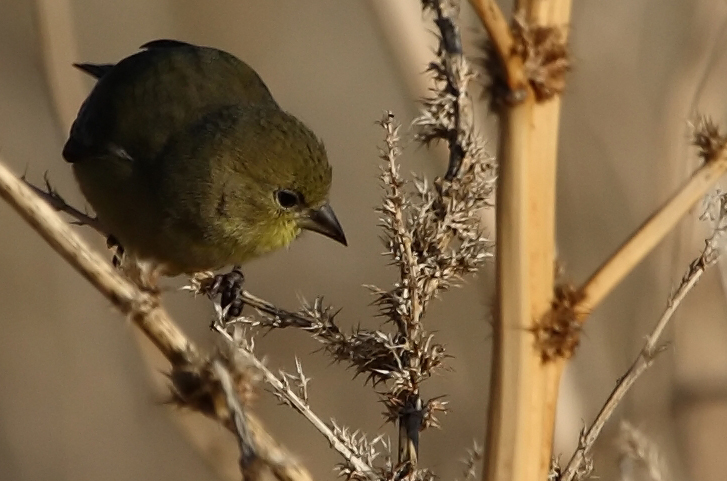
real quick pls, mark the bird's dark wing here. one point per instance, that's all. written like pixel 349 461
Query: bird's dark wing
pixel 139 103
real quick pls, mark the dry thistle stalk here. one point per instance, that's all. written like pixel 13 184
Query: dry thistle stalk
pixel 434 239
pixel 433 234
pixel 447 113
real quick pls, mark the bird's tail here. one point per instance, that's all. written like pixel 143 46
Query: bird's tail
pixel 93 69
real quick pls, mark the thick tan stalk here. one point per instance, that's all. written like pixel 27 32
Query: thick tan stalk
pixel 524 389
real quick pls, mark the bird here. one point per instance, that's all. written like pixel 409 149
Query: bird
pixel 190 163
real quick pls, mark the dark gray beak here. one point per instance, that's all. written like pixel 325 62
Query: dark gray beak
pixel 324 222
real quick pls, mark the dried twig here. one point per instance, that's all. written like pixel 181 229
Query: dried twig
pixel 249 461
pixel 361 469
pixel 55 200
pixel 374 353
pixel 643 361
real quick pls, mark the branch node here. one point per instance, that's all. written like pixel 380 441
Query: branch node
pixel 708 139
pixel 558 333
pixel 544 61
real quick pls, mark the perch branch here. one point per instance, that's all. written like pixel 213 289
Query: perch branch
pixel 142 307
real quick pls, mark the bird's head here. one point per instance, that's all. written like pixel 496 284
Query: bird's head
pixel 287 177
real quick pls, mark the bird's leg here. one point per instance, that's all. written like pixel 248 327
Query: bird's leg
pixel 113 243
pixel 228 286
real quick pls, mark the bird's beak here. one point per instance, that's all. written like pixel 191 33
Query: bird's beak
pixel 324 222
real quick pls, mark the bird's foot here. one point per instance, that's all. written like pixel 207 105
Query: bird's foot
pixel 229 287
pixel 113 244
pixel 142 273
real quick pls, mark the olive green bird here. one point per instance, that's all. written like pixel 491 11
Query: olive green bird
pixel 190 163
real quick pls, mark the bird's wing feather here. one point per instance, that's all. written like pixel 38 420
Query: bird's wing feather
pixel 138 104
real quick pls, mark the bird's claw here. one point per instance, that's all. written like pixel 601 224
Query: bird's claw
pixel 229 287
pixel 114 244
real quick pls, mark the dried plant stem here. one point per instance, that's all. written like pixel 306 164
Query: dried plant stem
pixel 302 407
pixel 142 307
pixel 648 236
pixel 642 362
pixel 249 461
pixel 499 32
pixel 524 389
pixel 409 420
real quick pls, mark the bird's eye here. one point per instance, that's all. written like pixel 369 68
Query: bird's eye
pixel 287 198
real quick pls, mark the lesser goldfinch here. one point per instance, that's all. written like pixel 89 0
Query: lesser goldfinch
pixel 189 162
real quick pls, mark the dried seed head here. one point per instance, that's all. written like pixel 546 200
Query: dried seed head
pixel 557 334
pixel 545 59
pixel 708 139
pixel 545 56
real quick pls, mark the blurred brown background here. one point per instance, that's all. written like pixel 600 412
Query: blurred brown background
pixel 79 402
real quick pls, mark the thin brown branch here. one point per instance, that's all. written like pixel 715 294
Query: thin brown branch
pixel 649 235
pixel 141 307
pixel 249 459
pixel 642 362
pixel 501 37
pixel 301 406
